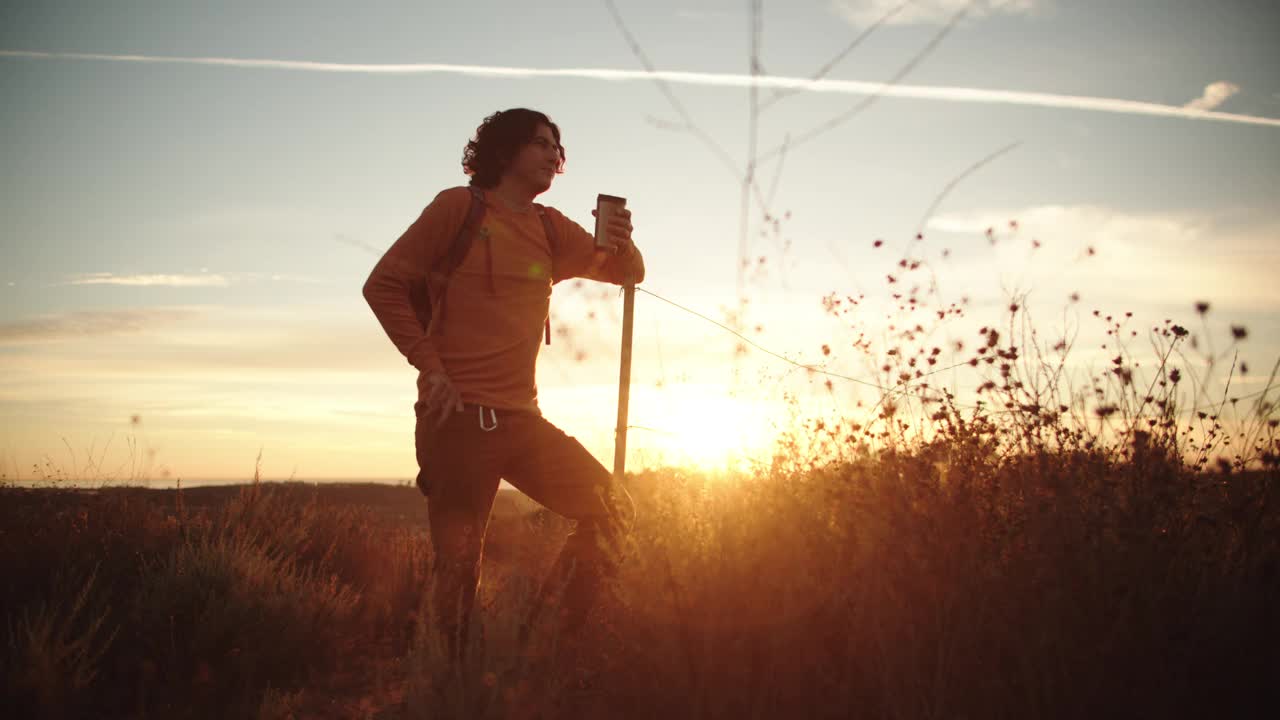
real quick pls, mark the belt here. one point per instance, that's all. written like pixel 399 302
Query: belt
pixel 488 416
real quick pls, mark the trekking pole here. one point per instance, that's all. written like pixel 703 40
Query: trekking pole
pixel 624 383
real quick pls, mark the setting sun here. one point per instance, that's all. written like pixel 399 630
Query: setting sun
pixel 705 425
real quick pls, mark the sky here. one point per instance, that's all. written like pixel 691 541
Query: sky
pixel 193 193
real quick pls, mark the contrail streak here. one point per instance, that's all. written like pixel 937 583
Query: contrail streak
pixel 841 87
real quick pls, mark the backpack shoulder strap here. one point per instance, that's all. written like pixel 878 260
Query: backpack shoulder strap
pixel 462 241
pixel 438 278
pixel 553 238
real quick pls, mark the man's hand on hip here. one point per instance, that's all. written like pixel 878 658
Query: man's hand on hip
pixel 443 397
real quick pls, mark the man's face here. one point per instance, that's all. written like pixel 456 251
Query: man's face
pixel 535 164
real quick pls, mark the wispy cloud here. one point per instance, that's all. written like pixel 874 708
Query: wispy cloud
pixel 844 87
pixel 1152 259
pixel 278 277
pixel 204 343
pixel 201 280
pixel 863 13
pixel 1214 95
pixel 358 243
pixel 87 323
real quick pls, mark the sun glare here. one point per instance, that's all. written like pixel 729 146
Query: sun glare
pixel 702 426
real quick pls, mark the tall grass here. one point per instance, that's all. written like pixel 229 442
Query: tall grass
pixel 1053 545
pixel 899 583
pixel 136 603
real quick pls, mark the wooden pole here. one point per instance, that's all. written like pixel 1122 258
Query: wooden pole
pixel 624 383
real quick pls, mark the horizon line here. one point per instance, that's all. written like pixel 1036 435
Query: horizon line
pixel 844 87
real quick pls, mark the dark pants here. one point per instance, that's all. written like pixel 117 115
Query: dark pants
pixel 461 462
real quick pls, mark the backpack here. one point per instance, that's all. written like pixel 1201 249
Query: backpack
pixel 419 292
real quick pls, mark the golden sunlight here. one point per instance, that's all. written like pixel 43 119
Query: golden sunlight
pixel 703 425
pixel 707 427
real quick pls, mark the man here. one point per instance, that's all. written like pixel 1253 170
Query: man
pixel 477 411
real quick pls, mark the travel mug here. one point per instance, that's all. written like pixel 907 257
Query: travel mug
pixel 606 207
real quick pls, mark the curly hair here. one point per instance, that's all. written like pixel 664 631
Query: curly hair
pixel 497 141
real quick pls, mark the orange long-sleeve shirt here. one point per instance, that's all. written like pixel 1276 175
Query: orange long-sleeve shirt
pixel 488 335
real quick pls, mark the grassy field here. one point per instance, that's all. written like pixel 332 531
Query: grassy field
pixel 1062 545
pixel 950 580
